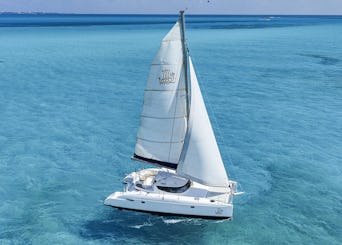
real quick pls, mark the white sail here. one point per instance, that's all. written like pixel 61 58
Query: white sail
pixel 163 119
pixel 201 160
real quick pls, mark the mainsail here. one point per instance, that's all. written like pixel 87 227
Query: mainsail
pixel 201 160
pixel 164 118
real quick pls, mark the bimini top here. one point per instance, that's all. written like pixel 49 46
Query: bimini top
pixel 167 179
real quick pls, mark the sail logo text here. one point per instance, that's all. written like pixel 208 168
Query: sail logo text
pixel 167 77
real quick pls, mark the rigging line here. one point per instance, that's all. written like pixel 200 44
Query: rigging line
pixel 205 95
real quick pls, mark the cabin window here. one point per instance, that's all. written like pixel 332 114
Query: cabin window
pixel 175 189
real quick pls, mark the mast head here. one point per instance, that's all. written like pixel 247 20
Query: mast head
pixel 181 14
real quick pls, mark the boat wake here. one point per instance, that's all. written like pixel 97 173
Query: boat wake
pixel 174 221
pixel 191 221
pixel 143 225
pixel 168 221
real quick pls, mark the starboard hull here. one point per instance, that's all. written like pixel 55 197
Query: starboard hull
pixel 171 214
pixel 169 205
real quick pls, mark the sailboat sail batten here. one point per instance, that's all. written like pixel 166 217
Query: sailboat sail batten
pixel 164 118
pixel 201 159
pixel 161 142
pixel 161 117
pixel 164 90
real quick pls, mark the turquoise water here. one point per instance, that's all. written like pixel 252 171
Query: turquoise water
pixel 71 90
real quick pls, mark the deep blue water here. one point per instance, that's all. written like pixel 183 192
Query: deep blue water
pixel 71 90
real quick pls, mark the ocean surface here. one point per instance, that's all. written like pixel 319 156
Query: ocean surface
pixel 71 90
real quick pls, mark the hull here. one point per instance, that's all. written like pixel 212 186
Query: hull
pixel 170 205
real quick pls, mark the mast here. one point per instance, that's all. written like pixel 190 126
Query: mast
pixel 185 60
pixel 187 82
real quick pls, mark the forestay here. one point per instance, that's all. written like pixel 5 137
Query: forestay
pixel 163 119
pixel 201 160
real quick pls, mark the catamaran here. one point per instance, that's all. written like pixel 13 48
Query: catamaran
pixel 176 135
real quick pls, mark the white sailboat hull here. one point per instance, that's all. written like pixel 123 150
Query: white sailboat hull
pixel 170 205
pixel 192 202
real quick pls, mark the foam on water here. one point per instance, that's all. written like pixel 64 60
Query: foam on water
pixel 70 98
pixel 174 221
pixel 142 225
